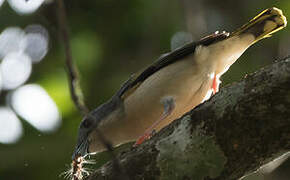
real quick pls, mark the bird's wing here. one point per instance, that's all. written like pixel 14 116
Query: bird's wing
pixel 164 60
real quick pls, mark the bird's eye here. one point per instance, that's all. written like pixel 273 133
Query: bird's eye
pixel 86 123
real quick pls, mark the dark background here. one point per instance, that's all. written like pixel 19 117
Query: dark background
pixel 110 40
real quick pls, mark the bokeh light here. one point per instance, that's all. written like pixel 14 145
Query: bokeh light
pixel 10 41
pixel 15 70
pixel 34 105
pixel 25 6
pixel 1 2
pixel 179 39
pixel 10 128
pixel 36 42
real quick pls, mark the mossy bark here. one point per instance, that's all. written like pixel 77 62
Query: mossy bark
pixel 242 127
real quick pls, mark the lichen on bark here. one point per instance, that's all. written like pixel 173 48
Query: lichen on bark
pixel 185 154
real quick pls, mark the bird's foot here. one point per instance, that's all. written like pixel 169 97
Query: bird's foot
pixel 143 138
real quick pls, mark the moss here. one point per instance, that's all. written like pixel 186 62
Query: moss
pixel 184 155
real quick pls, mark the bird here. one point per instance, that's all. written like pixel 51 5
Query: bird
pixel 173 85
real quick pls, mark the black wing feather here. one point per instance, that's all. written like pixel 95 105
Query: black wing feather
pixel 168 59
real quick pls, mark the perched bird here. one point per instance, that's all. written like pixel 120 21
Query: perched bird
pixel 171 86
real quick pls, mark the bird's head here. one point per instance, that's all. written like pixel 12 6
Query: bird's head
pixel 86 127
pixel 88 134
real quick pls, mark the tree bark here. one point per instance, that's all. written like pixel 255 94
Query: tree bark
pixel 244 126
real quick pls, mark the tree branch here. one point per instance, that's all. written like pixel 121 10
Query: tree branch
pixel 241 128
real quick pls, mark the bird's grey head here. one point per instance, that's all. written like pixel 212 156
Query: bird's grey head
pixel 86 126
pixel 89 124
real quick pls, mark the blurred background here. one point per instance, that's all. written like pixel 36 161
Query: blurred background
pixel 110 40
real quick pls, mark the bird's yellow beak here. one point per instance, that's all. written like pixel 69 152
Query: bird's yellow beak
pixel 264 24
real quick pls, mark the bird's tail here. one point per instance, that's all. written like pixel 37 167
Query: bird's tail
pixel 264 24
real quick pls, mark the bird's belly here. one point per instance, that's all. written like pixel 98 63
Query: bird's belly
pixel 180 81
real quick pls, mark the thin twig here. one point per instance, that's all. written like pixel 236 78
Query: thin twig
pixel 75 90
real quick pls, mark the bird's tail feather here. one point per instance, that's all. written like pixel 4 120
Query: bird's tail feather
pixel 264 24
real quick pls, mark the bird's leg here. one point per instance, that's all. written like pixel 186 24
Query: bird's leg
pixel 168 104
